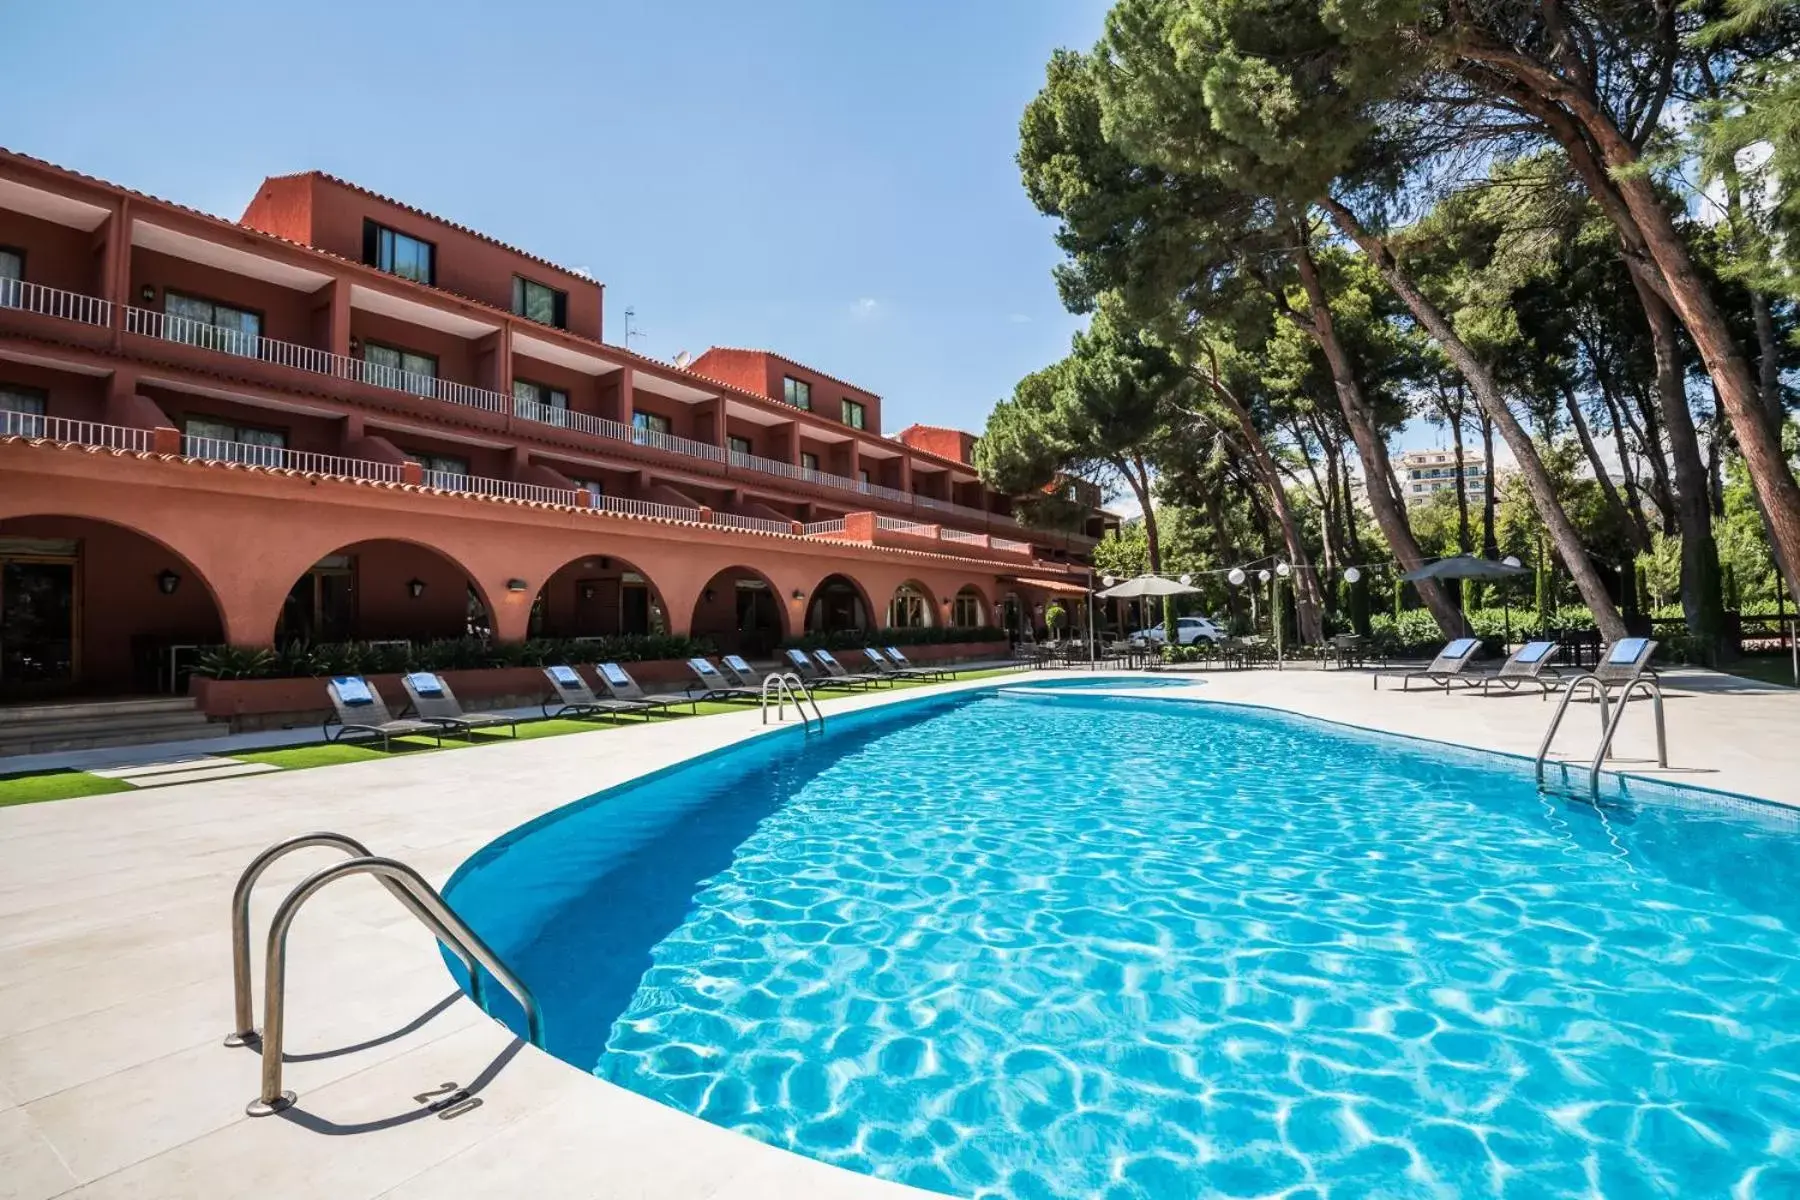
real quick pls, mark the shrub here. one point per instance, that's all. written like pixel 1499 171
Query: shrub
pixel 299 660
pixel 932 635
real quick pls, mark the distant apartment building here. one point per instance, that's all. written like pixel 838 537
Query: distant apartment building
pixel 1424 473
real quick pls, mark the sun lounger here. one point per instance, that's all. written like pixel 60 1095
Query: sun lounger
pixel 886 669
pixel 621 686
pixel 814 674
pixel 1529 664
pixel 433 701
pixel 906 664
pixel 742 674
pixel 836 670
pixel 1450 666
pixel 577 699
pixel 359 711
pixel 1625 661
pixel 715 686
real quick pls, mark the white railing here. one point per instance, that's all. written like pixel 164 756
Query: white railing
pixel 1008 546
pixel 645 508
pixel 758 523
pixel 666 441
pixel 280 457
pixel 893 495
pixel 54 302
pixel 618 431
pixel 835 525
pixel 773 466
pixel 189 332
pixel 452 481
pixel 899 525
pixel 75 433
pixel 968 539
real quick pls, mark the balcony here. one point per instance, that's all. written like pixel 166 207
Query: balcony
pixel 55 303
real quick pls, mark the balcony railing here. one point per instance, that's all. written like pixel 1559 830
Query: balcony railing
pixel 54 302
pixel 235 342
pixel 763 523
pixel 1009 546
pixel 957 535
pixel 835 525
pixel 646 508
pixel 534 493
pixel 618 431
pixel 220 450
pixel 900 525
pixel 75 433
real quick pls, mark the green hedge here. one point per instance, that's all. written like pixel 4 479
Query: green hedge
pixel 935 635
pixel 300 660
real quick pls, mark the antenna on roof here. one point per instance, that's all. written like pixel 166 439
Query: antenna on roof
pixel 683 358
pixel 630 315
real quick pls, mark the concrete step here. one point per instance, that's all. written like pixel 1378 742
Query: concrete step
pixel 74 710
pixel 84 725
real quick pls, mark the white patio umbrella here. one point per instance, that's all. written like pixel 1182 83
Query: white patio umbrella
pixel 1147 585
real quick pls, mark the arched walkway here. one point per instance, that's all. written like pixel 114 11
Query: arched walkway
pixel 912 607
pixel 381 590
pixel 598 595
pixel 92 607
pixel 742 612
pixel 837 603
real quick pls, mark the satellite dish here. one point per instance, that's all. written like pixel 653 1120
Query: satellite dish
pixel 682 359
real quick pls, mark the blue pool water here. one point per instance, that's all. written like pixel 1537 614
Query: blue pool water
pixel 1080 683
pixel 1068 946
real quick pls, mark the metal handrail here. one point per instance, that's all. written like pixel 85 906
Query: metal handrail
pixel 243 1003
pixel 1612 727
pixel 787 685
pixel 1563 707
pixel 464 941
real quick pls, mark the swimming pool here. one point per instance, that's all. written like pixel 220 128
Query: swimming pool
pixel 1032 946
pixel 1079 683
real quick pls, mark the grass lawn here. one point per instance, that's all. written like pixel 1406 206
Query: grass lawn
pixel 1771 668
pixel 61 785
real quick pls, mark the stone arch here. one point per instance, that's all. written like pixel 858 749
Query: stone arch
pixel 598 595
pixel 912 605
pixel 838 602
pixel 97 605
pixel 379 588
pixel 742 611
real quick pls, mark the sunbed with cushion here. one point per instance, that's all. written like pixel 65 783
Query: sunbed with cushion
pixel 1450 666
pixel 814 674
pixel 836 670
pixel 433 701
pixel 360 712
pixel 577 699
pixel 906 664
pixel 887 669
pixel 742 674
pixel 715 686
pixel 1626 660
pixel 1530 663
pixel 621 686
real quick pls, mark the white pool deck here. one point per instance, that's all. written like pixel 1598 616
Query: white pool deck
pixel 115 982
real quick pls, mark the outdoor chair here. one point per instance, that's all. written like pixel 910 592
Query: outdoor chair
pixel 742 674
pixel 621 686
pixel 578 699
pixel 433 701
pixel 1349 650
pixel 888 669
pixel 906 664
pixel 836 670
pixel 1530 663
pixel 359 711
pixel 1450 666
pixel 715 686
pixel 814 674
pixel 1626 661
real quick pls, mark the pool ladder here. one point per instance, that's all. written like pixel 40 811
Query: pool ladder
pixel 1609 723
pixel 406 885
pixel 783 686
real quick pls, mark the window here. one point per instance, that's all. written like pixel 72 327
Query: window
pixel 210 324
pixel 12 277
pixel 852 413
pixel 536 302
pixel 402 370
pixel 552 403
pixel 398 254
pixel 738 445
pixel 796 393
pixel 965 611
pixel 442 470
pixel 22 411
pixel 863 474
pixel 592 487
pixel 649 423
pixel 809 461
pixel 909 609
pixel 227 441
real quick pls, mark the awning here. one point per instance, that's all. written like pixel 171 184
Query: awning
pixel 1051 585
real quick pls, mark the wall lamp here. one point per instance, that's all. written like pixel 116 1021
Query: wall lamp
pixel 587 591
pixel 415 588
pixel 147 293
pixel 708 595
pixel 167 581
pixel 799 595
pixel 515 585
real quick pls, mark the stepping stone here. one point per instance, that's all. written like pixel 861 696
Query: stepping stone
pixel 133 770
pixel 194 770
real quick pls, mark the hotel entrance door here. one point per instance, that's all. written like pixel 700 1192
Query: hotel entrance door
pixel 37 624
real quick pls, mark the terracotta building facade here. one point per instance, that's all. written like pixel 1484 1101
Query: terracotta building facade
pixel 342 418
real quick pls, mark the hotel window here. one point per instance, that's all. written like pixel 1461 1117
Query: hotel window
pixel 909 609
pixel 809 461
pixel 796 393
pixel 227 441
pixel 738 445
pixel 210 324
pixel 592 487
pixel 965 611
pixel 402 370
pixel 536 302
pixel 852 413
pixel 12 275
pixel 553 403
pixel 863 474
pixel 649 423
pixel 441 470
pixel 22 411
pixel 394 252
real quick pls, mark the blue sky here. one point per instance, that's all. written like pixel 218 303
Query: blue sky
pixel 833 179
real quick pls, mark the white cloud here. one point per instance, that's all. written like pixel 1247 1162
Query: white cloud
pixel 865 309
pixel 1018 319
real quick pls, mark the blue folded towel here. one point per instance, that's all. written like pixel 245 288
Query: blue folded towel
pixel 565 676
pixel 353 691
pixel 425 683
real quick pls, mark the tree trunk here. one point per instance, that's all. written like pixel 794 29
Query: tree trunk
pixel 1487 394
pixel 1490 542
pixel 1650 437
pixel 1390 515
pixel 1139 477
pixel 1621 425
pixel 1636 528
pixel 1464 543
pixel 1701 600
pixel 1308 603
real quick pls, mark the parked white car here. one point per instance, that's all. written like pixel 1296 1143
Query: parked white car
pixel 1188 630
